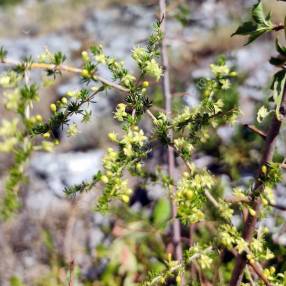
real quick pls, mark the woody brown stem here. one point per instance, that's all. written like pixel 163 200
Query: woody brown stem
pixel 65 68
pixel 255 201
pixel 171 155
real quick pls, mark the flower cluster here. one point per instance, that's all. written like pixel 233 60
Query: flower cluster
pixel 190 195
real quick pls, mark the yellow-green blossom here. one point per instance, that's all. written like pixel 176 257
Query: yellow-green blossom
pixel 127 80
pixel 100 58
pixel 219 70
pixel 72 130
pixel 120 112
pixel 152 68
pixel 139 55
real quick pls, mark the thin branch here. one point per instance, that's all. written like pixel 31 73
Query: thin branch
pixel 256 130
pixel 64 68
pixel 251 281
pixel 278 207
pixel 70 69
pixel 255 202
pixel 168 109
pixel 71 276
pixel 259 271
pixel 279 27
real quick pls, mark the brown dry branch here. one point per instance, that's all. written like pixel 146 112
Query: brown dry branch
pixel 168 109
pixel 255 201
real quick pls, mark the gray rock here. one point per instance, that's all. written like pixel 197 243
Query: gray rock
pixel 26 46
pixel 59 170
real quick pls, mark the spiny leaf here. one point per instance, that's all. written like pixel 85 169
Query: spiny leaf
pixel 59 58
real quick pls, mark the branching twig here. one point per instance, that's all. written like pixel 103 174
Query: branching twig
pixel 65 68
pixel 171 155
pixel 71 276
pixel 258 270
pixel 256 130
pixel 255 202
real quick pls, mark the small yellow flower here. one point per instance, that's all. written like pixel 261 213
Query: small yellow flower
pixel 39 118
pixel 53 107
pixel 125 198
pixel 71 93
pixel 112 136
pixel 85 73
pixel 64 100
pixel 100 58
pixel 104 179
pixel 85 56
pixel 252 211
pixel 264 170
pixel 153 69
pixel 48 146
pixel 145 83
pixel 139 54
pixel 72 130
pixel 47 135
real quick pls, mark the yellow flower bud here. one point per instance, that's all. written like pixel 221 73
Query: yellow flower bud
pixel 70 93
pixel 145 84
pixel 266 272
pixel 125 198
pixel 104 179
pixel 53 107
pixel 85 73
pixel 112 136
pixel 178 280
pixel 190 195
pixel 264 170
pixel 33 119
pixel 252 211
pixel 266 229
pixel 264 201
pixel 39 117
pixel 85 56
pixel 47 135
pixel 64 100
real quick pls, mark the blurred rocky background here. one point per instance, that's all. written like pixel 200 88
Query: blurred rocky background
pixel 36 247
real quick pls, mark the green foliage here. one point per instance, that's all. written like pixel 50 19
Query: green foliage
pixel 142 236
pixel 259 24
pixel 183 14
pixel 161 213
pixel 15 281
pixel 9 2
pixel 3 54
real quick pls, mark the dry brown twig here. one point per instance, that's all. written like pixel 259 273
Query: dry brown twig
pixel 255 202
pixel 168 109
